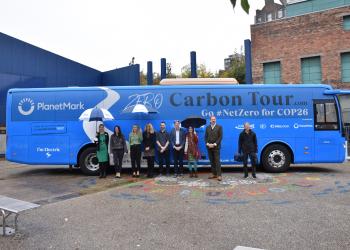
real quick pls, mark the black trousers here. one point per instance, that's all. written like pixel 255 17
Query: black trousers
pixel 178 161
pixel 118 155
pixel 214 157
pixel 103 168
pixel 254 160
pixel 135 156
pixel 164 157
pixel 150 166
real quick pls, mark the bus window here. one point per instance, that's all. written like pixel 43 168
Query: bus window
pixel 326 117
pixel 344 101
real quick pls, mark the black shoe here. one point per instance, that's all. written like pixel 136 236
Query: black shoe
pixel 245 176
pixel 254 176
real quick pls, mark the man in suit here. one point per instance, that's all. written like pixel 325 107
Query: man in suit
pixel 177 140
pixel 248 145
pixel 163 141
pixel 213 137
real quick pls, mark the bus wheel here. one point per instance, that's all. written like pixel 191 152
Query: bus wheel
pixel 88 162
pixel 276 158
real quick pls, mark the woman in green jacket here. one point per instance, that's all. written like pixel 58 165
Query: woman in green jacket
pixel 135 140
pixel 102 141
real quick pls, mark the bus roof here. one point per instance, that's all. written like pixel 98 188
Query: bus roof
pixel 160 87
pixel 198 81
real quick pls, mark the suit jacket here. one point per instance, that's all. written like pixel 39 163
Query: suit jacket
pixel 182 138
pixel 214 135
pixel 247 142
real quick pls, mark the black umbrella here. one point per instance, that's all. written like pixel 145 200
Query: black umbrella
pixel 193 121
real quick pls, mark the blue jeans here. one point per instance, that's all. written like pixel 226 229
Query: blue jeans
pixel 192 165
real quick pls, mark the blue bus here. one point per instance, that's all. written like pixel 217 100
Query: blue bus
pixel 301 123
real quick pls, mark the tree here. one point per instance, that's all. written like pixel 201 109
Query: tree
pixel 143 78
pixel 202 71
pixel 244 3
pixel 169 74
pixel 237 67
pixel 156 78
pixel 186 71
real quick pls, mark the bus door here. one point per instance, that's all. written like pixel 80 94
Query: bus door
pixel 327 131
pixel 344 102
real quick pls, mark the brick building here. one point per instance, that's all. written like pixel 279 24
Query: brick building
pixel 311 44
pixel 271 11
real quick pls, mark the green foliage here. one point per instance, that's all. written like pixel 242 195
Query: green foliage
pixel 202 71
pixel 237 68
pixel 244 3
pixel 143 78
pixel 186 71
pixel 156 78
pixel 169 74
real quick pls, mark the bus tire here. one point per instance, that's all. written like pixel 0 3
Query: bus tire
pixel 88 162
pixel 276 158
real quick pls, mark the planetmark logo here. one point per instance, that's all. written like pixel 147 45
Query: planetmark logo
pixel 26 106
pixel 296 126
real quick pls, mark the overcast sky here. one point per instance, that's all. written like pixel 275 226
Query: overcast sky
pixel 106 34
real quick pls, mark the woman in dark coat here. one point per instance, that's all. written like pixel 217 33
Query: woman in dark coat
pixel 192 153
pixel 101 141
pixel 118 148
pixel 149 142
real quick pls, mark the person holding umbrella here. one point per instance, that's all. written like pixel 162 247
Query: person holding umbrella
pixel 135 140
pixel 192 152
pixel 101 141
pixel 191 146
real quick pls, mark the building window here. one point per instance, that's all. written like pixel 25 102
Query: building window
pixel 280 14
pixel 311 70
pixel 272 72
pixel 269 17
pixel 259 20
pixel 345 67
pixel 346 22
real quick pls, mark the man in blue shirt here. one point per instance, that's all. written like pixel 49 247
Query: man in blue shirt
pixel 178 139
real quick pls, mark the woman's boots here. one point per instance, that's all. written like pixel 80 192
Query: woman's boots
pixel 195 173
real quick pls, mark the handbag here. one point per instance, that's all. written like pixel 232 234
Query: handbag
pixel 238 157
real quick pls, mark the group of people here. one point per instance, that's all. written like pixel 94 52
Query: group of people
pixel 184 145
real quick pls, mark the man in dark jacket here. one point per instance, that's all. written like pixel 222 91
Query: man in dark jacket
pixel 248 145
pixel 178 139
pixel 163 141
pixel 213 137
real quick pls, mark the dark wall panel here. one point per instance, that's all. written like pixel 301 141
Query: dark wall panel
pixel 23 65
pixel 125 76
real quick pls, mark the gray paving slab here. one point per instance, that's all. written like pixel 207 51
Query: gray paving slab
pixel 305 208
